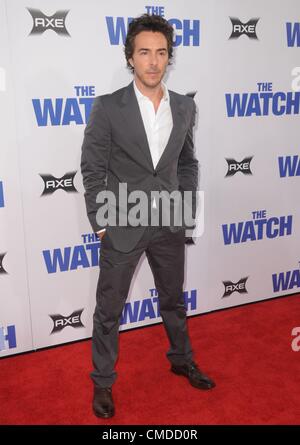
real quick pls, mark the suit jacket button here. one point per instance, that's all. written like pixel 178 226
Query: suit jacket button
pixel 154 174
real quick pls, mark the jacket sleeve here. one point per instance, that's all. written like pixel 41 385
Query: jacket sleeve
pixel 94 159
pixel 188 164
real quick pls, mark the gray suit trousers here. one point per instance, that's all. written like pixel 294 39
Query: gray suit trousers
pixel 165 251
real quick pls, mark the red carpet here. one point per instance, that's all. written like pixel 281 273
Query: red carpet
pixel 247 350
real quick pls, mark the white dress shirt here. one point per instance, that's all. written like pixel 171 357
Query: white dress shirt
pixel 158 126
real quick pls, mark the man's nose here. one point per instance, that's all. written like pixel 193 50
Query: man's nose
pixel 153 59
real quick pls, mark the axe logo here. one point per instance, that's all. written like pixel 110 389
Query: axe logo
pixel 42 22
pixel 51 184
pixel 2 270
pixel 60 321
pixel 243 166
pixel 239 28
pixel 239 287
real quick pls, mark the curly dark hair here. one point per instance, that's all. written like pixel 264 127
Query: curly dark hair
pixel 147 22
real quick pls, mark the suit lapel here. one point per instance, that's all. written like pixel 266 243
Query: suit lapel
pixel 177 110
pixel 134 124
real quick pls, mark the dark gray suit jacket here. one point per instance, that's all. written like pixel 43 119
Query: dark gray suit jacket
pixel 115 150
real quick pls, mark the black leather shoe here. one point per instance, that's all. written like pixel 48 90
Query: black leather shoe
pixel 103 404
pixel 195 376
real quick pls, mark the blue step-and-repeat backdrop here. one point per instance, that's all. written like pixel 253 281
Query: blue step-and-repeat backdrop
pixel 240 61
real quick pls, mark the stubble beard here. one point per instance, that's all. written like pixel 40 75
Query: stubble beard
pixel 151 85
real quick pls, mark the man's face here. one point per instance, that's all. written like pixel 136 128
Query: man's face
pixel 150 58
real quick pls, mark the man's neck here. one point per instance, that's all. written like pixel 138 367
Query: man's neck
pixel 154 94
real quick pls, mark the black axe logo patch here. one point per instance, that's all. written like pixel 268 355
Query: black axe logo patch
pixel 42 22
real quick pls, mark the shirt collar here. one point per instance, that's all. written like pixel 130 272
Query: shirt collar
pixel 141 96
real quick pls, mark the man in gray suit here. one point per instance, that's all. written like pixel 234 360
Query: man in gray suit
pixel 139 139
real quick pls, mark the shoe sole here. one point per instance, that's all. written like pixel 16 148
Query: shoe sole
pixel 205 388
pixel 103 416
